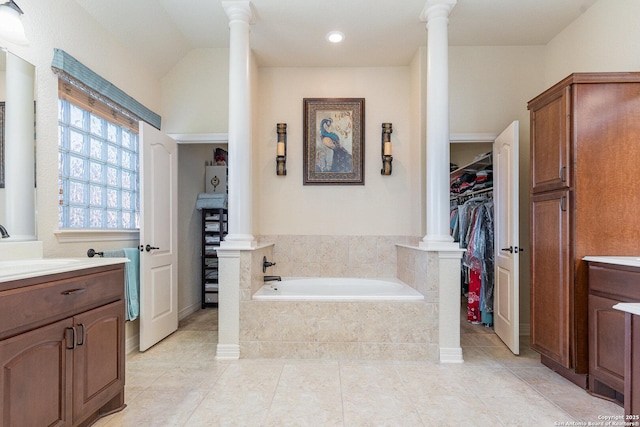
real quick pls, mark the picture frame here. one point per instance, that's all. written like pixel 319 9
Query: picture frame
pixel 333 142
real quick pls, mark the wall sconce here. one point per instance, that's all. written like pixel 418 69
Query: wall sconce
pixel 281 150
pixel 385 149
pixel 11 27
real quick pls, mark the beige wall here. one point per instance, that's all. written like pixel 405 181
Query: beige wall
pixel 195 93
pixel 383 206
pixel 604 38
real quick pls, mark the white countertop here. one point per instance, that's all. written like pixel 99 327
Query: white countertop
pixel 27 268
pixel 629 307
pixel 630 261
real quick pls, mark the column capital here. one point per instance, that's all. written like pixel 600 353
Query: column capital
pixel 239 10
pixel 435 8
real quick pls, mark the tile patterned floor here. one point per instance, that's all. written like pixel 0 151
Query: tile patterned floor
pixel 179 383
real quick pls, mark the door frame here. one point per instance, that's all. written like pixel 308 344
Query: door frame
pixel 485 137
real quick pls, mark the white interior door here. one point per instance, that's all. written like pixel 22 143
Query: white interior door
pixel 158 236
pixel 506 313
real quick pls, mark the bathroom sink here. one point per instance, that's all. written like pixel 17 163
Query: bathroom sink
pixel 25 268
pixel 18 266
pixel 630 261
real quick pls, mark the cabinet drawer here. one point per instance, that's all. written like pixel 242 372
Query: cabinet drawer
pixel 28 307
pixel 622 284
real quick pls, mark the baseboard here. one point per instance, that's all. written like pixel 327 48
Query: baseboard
pixel 525 329
pixel 581 380
pixel 132 344
pixel 187 311
pixel 228 352
pixel 451 355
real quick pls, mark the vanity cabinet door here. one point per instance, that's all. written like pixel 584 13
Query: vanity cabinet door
pixel 550 137
pixel 606 339
pixel 98 360
pixel 35 377
pixel 551 279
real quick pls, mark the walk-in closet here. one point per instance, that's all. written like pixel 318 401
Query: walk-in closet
pixel 484 221
pixel 471 214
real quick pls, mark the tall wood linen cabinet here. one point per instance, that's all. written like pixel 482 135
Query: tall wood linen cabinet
pixel 585 153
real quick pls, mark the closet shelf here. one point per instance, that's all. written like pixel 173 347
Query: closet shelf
pixel 484 191
pixel 475 166
pixel 214 228
pixel 472 179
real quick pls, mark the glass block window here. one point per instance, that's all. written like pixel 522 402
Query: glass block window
pixel 97 170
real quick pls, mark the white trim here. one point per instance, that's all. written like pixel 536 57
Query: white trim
pixel 200 138
pixel 458 138
pixel 228 352
pixel 451 355
pixel 187 311
pixel 90 235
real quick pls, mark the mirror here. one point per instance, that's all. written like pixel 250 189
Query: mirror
pixel 17 146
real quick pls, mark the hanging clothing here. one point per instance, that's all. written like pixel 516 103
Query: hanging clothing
pixel 472 227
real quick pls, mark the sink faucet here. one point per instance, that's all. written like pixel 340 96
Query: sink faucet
pixel 272 278
pixel 4 232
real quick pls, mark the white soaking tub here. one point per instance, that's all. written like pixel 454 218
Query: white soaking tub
pixel 336 289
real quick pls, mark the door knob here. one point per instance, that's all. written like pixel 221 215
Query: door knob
pixel 510 249
pixel 149 248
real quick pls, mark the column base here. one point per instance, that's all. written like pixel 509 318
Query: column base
pixel 451 355
pixel 227 352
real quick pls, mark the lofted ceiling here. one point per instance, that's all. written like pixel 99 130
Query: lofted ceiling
pixel 291 33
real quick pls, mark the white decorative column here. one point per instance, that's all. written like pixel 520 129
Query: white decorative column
pixel 240 237
pixel 19 150
pixel 436 15
pixel 240 189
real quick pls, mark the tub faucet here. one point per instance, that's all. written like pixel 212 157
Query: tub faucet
pixel 272 278
pixel 266 264
pixel 4 232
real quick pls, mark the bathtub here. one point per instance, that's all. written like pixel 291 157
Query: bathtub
pixel 337 289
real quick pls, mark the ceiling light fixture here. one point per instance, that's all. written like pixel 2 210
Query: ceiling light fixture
pixel 335 36
pixel 11 27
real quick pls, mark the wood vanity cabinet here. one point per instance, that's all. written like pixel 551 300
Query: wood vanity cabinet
pixel 62 347
pixel 584 153
pixel 609 284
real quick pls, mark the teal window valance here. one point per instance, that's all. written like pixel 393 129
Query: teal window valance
pixel 78 74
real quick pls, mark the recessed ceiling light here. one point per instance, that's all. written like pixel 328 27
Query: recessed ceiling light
pixel 335 36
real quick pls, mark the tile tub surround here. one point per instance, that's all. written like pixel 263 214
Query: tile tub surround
pixel 354 330
pixel 335 256
pixel 339 330
pixel 419 269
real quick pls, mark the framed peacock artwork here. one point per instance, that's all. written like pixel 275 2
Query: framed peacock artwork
pixel 333 141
